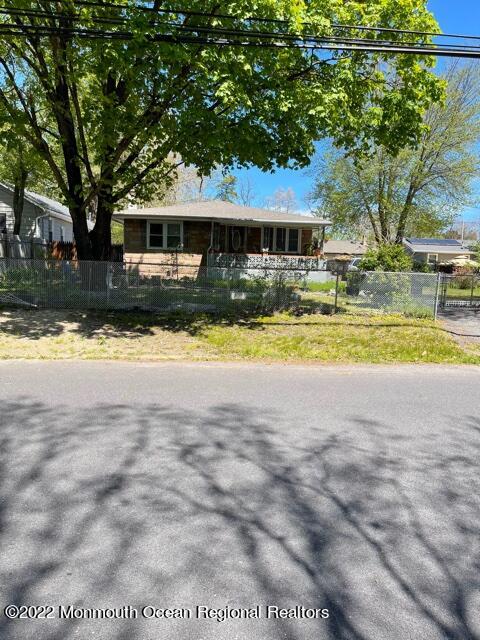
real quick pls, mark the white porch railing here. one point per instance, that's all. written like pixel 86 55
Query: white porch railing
pixel 265 261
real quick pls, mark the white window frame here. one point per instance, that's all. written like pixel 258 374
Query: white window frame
pixel 432 254
pixel 287 237
pixel 165 237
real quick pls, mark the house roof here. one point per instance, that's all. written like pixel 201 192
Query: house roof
pixel 348 247
pixel 48 206
pixel 435 245
pixel 222 212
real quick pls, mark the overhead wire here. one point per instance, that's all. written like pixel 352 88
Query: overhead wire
pixel 221 36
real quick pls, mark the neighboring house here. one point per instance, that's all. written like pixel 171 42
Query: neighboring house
pixel 434 250
pixel 335 248
pixel 194 230
pixel 42 217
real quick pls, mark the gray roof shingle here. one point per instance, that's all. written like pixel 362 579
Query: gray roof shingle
pixel 348 247
pixel 222 211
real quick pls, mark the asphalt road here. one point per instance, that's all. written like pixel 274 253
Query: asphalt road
pixel 355 490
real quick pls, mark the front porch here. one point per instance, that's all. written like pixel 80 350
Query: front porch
pixel 263 240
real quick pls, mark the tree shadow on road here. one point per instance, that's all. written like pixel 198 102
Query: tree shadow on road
pixel 121 506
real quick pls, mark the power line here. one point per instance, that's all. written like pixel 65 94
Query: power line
pixel 341 45
pixel 189 12
pixel 284 40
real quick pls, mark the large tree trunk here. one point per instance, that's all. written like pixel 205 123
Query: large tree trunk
pixel 405 214
pixel 18 200
pixel 70 151
pixel 101 236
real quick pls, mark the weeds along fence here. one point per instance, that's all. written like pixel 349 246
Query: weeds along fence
pixel 415 294
pixel 150 287
pixel 44 283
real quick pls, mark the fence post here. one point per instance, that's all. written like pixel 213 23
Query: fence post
pixel 437 292
pixel 473 287
pixel 336 292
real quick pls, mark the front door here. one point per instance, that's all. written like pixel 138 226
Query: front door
pixel 236 239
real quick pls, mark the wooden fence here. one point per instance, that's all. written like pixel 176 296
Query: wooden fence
pixel 16 247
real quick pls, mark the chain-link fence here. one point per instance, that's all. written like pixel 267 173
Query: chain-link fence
pixel 153 287
pixel 413 294
pixel 192 288
pixel 460 290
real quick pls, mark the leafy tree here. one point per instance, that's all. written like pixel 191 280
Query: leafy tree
pixel 419 191
pixel 387 257
pixel 22 168
pixel 108 116
pixel 227 189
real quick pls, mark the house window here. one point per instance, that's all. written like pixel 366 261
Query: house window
pixel 267 244
pixel 432 258
pixel 281 240
pixel 50 229
pixel 62 234
pixel 3 223
pixel 293 240
pixel 164 235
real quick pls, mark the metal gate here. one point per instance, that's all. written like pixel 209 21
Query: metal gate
pixel 458 290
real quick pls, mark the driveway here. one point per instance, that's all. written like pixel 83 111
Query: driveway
pixel 352 489
pixel 463 323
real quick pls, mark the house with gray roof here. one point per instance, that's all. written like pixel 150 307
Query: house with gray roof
pixel 42 218
pixel 193 230
pixel 434 251
pixel 354 248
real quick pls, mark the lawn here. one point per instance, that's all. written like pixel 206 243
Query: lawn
pixel 347 338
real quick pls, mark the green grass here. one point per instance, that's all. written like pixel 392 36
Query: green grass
pixel 347 338
pixel 344 338
pixel 326 286
pixel 453 292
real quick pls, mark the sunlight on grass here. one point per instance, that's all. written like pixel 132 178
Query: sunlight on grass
pixel 346 338
pixel 339 339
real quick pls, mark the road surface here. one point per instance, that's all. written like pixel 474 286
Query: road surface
pixel 140 491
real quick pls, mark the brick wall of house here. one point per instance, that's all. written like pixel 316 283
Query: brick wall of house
pixel 196 240
pixel 196 237
pixel 165 263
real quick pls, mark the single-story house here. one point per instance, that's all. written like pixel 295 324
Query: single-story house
pixel 333 248
pixel 194 230
pixel 433 251
pixel 42 217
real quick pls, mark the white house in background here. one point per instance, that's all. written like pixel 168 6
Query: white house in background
pixel 435 250
pixel 42 217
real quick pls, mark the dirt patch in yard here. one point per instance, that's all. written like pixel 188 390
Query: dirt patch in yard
pixel 72 335
pixel 348 338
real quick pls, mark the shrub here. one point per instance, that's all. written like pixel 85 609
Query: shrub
pixel 423 267
pixel 388 257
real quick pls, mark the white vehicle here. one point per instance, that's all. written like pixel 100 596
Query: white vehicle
pixel 353 266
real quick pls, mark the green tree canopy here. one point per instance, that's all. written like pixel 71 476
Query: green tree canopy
pixel 386 258
pixel 110 116
pixel 418 191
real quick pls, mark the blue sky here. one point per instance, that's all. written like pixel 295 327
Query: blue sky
pixel 460 16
